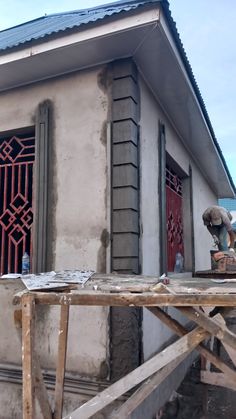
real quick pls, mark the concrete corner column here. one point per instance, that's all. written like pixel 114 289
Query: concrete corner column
pixel 125 323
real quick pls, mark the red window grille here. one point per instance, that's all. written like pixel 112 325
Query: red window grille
pixel 17 155
pixel 174 217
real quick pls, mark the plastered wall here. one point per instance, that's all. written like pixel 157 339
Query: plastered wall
pixel 154 332
pixel 80 110
pixel 203 196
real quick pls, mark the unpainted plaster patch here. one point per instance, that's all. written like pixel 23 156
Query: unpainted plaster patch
pixel 101 256
pixel 105 79
pixel 103 136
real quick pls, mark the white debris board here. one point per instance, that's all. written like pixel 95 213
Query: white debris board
pixel 52 280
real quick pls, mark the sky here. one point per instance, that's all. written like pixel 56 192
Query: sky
pixel 208 31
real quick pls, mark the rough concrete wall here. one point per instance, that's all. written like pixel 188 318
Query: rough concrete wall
pixel 80 103
pixel 80 114
pixel 86 352
pixel 10 347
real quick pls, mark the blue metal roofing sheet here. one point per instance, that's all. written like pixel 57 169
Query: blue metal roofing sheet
pixel 46 26
pixel 228 203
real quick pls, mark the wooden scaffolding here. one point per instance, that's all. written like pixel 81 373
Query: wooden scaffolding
pixel 193 297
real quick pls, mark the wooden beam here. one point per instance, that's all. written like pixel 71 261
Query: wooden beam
pixel 181 331
pixel 149 299
pixel 41 391
pixel 147 388
pixel 215 328
pixel 185 344
pixel 61 361
pixel 217 379
pixel 28 355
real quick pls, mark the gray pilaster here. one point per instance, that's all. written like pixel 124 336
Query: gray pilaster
pixel 125 323
pixel 162 197
pixel 125 168
pixel 42 184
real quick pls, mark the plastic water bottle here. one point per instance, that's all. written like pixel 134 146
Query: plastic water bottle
pixel 179 263
pixel 25 264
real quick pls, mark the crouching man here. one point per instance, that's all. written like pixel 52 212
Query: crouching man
pixel 218 222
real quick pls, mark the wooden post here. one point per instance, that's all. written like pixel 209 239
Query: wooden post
pixel 61 360
pixel 217 379
pixel 28 347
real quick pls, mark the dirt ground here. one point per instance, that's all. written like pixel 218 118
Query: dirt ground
pixel 195 400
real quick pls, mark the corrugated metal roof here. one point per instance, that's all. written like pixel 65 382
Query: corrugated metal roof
pixel 46 26
pixel 228 203
pixel 189 71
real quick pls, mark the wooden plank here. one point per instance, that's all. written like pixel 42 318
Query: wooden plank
pixel 231 352
pixel 138 288
pixel 214 274
pixel 61 361
pixel 216 328
pixel 28 356
pixel 40 388
pixel 185 344
pixel 181 331
pixel 148 299
pixel 41 391
pixel 147 388
pixel 217 379
pixel 213 289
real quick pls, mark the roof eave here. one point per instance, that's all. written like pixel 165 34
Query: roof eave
pixel 127 35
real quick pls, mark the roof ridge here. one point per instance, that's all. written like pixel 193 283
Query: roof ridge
pixel 86 11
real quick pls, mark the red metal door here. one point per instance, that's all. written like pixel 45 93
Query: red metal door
pixel 174 217
pixel 17 154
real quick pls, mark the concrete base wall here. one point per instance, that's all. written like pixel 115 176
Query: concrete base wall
pixel 11 402
pixel 87 352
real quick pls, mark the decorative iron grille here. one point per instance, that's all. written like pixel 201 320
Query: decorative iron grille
pixel 173 181
pixel 17 155
pixel 174 217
